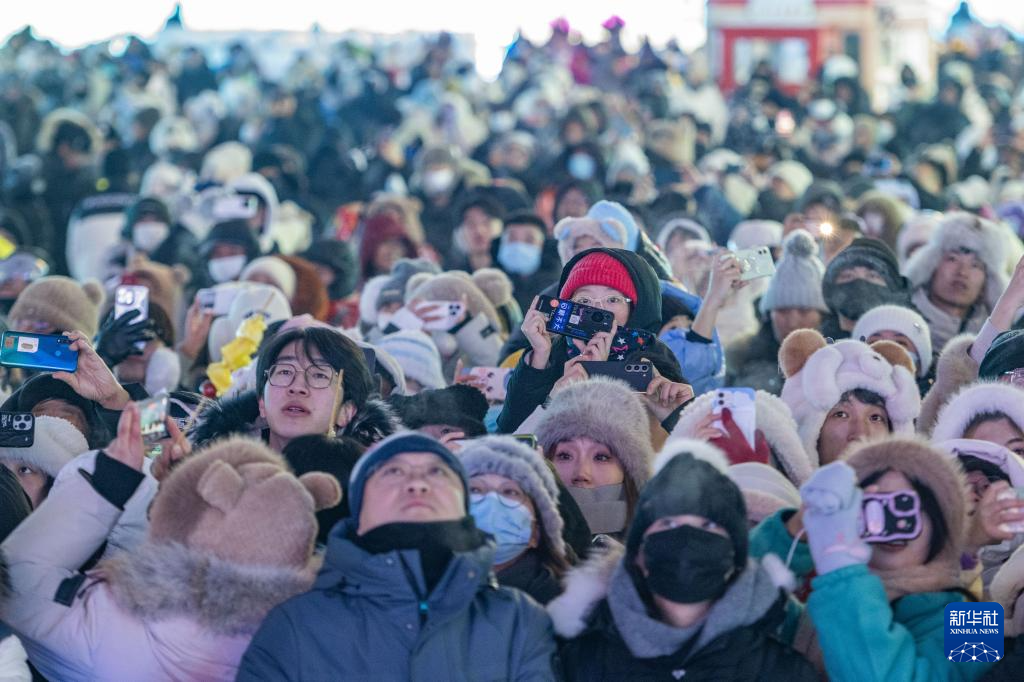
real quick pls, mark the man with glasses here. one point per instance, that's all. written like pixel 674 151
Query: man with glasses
pixel 406 591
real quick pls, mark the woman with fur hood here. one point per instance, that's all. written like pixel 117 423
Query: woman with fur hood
pixel 683 598
pixel 878 610
pixel 231 536
pixel 309 381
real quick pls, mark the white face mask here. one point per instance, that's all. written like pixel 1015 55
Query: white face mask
pixel 226 269
pixel 149 234
pixel 438 181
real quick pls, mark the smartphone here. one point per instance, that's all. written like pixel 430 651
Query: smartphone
pixel 404 319
pixel 234 206
pixel 755 263
pixel 47 352
pixel 889 517
pixel 17 429
pixel 637 374
pixel 153 417
pixel 528 439
pixel 132 301
pixel 495 379
pixel 576 320
pixel 740 402
pixel 217 300
pixel 450 310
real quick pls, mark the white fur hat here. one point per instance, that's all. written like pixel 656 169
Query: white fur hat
pixel 765 489
pixel 1009 462
pixel 752 233
pixel 916 232
pixel 773 420
pixel 56 443
pixel 794 174
pixel 975 400
pixel 897 318
pixel 961 230
pixel 226 162
pixel 274 268
pixel 608 232
pixel 818 374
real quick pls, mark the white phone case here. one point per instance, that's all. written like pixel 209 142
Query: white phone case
pixel 740 402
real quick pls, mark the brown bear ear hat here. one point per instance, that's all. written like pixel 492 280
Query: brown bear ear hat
pixel 310 293
pixel 818 374
pixel 239 501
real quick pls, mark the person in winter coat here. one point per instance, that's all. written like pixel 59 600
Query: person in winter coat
pixel 406 590
pixel 526 254
pixel 230 536
pixel 514 497
pixel 55 443
pixel 683 599
pixel 958 276
pixel 688 328
pixel 308 381
pixel 624 284
pixel 454 412
pixel 793 301
pixel 150 229
pixel 846 391
pixel 226 249
pixel 603 462
pixel 862 276
pixel 14 508
pixel 906 585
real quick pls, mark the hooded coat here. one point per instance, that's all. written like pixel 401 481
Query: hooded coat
pixel 366 618
pixel 528 387
pixel 610 634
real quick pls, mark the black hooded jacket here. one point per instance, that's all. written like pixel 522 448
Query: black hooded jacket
pixel 528 388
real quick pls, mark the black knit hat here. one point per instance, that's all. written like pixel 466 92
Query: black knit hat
pixel 1005 354
pixel 341 259
pixel 145 206
pixel 869 253
pixel 693 485
pixel 232 232
pixel 461 406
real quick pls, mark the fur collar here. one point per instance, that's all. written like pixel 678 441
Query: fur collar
pixel 157 581
pixel 240 416
pixel 954 370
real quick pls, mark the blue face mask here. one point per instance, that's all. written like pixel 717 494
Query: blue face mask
pixel 491 418
pixel 519 258
pixel 510 523
pixel 582 166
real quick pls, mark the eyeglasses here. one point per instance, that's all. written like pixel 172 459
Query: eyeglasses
pixel 1014 376
pixel 283 375
pixel 604 303
pixel 511 500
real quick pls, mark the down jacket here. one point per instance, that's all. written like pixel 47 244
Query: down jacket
pixel 366 619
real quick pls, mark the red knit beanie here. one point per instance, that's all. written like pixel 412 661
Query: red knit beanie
pixel 599 269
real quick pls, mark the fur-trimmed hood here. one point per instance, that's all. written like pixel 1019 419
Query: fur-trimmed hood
pixel 974 401
pixel 241 416
pixel 960 230
pixel 157 581
pixel 774 420
pixel 954 370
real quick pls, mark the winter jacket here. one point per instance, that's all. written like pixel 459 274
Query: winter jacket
pixel 753 362
pixel 525 287
pixel 158 612
pixel 700 359
pixel 527 574
pixel 862 635
pixel 528 387
pixel 241 415
pixel 366 618
pixel 619 640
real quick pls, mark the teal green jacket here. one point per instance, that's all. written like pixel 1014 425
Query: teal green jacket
pixel 862 635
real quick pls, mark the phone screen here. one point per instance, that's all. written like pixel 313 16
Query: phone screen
pixel 51 352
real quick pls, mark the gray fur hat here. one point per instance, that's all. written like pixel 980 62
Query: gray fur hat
pixel 607 411
pixel 963 231
pixel 505 456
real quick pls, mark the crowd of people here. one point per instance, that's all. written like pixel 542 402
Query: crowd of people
pixel 380 456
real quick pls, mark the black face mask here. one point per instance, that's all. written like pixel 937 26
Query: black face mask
pixel 853 299
pixel 688 565
pixel 774 208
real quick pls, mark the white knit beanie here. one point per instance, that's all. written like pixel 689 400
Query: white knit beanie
pixel 794 174
pixel 274 268
pixel 896 318
pixel 56 443
pixel 417 355
pixel 749 234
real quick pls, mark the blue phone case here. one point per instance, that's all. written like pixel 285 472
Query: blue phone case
pixel 48 352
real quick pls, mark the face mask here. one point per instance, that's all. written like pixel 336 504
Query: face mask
pixel 687 564
pixel 853 299
pixel 226 269
pixel 582 166
pixel 438 181
pixel 508 521
pixel 148 235
pixel 519 258
pixel 604 507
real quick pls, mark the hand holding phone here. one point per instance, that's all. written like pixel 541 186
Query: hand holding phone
pixel 153 418
pixel 742 407
pixel 575 320
pixel 128 448
pixel 439 316
pixel 637 374
pixel 46 352
pixel 890 517
pixel 755 263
